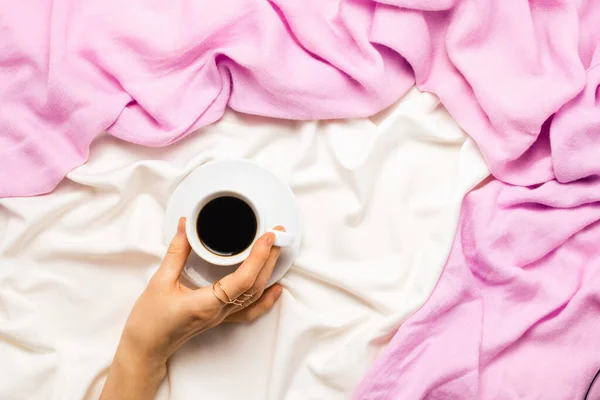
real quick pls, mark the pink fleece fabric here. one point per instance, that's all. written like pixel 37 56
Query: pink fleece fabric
pixel 516 313
pixel 151 72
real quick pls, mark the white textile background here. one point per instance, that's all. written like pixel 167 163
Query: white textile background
pixel 379 197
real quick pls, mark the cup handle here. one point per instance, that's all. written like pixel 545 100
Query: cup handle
pixel 283 239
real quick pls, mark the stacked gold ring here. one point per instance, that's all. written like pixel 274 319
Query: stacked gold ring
pixel 235 301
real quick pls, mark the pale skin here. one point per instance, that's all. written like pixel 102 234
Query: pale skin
pixel 168 314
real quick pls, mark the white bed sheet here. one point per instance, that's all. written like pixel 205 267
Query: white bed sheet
pixel 380 199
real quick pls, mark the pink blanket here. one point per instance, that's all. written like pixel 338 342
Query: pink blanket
pixel 150 72
pixel 516 313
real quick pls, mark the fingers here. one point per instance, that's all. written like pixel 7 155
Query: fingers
pixel 177 254
pixel 265 273
pixel 257 309
pixel 244 278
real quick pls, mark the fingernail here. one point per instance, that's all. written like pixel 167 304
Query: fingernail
pixel 270 239
pixel 181 225
pixel 279 228
pixel 278 290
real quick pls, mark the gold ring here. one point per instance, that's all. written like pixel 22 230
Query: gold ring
pixel 235 301
pixel 217 296
pixel 247 299
pixel 229 301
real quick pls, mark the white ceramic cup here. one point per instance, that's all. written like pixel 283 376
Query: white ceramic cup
pixel 282 239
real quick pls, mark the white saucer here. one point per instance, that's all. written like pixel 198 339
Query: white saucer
pixel 259 184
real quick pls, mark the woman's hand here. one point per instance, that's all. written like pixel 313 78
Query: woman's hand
pixel 168 314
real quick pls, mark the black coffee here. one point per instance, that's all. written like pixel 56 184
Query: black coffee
pixel 226 226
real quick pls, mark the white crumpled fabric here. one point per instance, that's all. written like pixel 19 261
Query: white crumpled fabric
pixel 379 197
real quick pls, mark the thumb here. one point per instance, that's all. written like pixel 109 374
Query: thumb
pixel 177 254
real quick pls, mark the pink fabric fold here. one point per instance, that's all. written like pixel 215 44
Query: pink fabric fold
pixel 516 313
pixel 151 72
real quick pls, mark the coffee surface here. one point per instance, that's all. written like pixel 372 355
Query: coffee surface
pixel 226 226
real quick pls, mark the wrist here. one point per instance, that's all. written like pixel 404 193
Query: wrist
pixel 135 362
pixel 142 346
pixel 133 375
